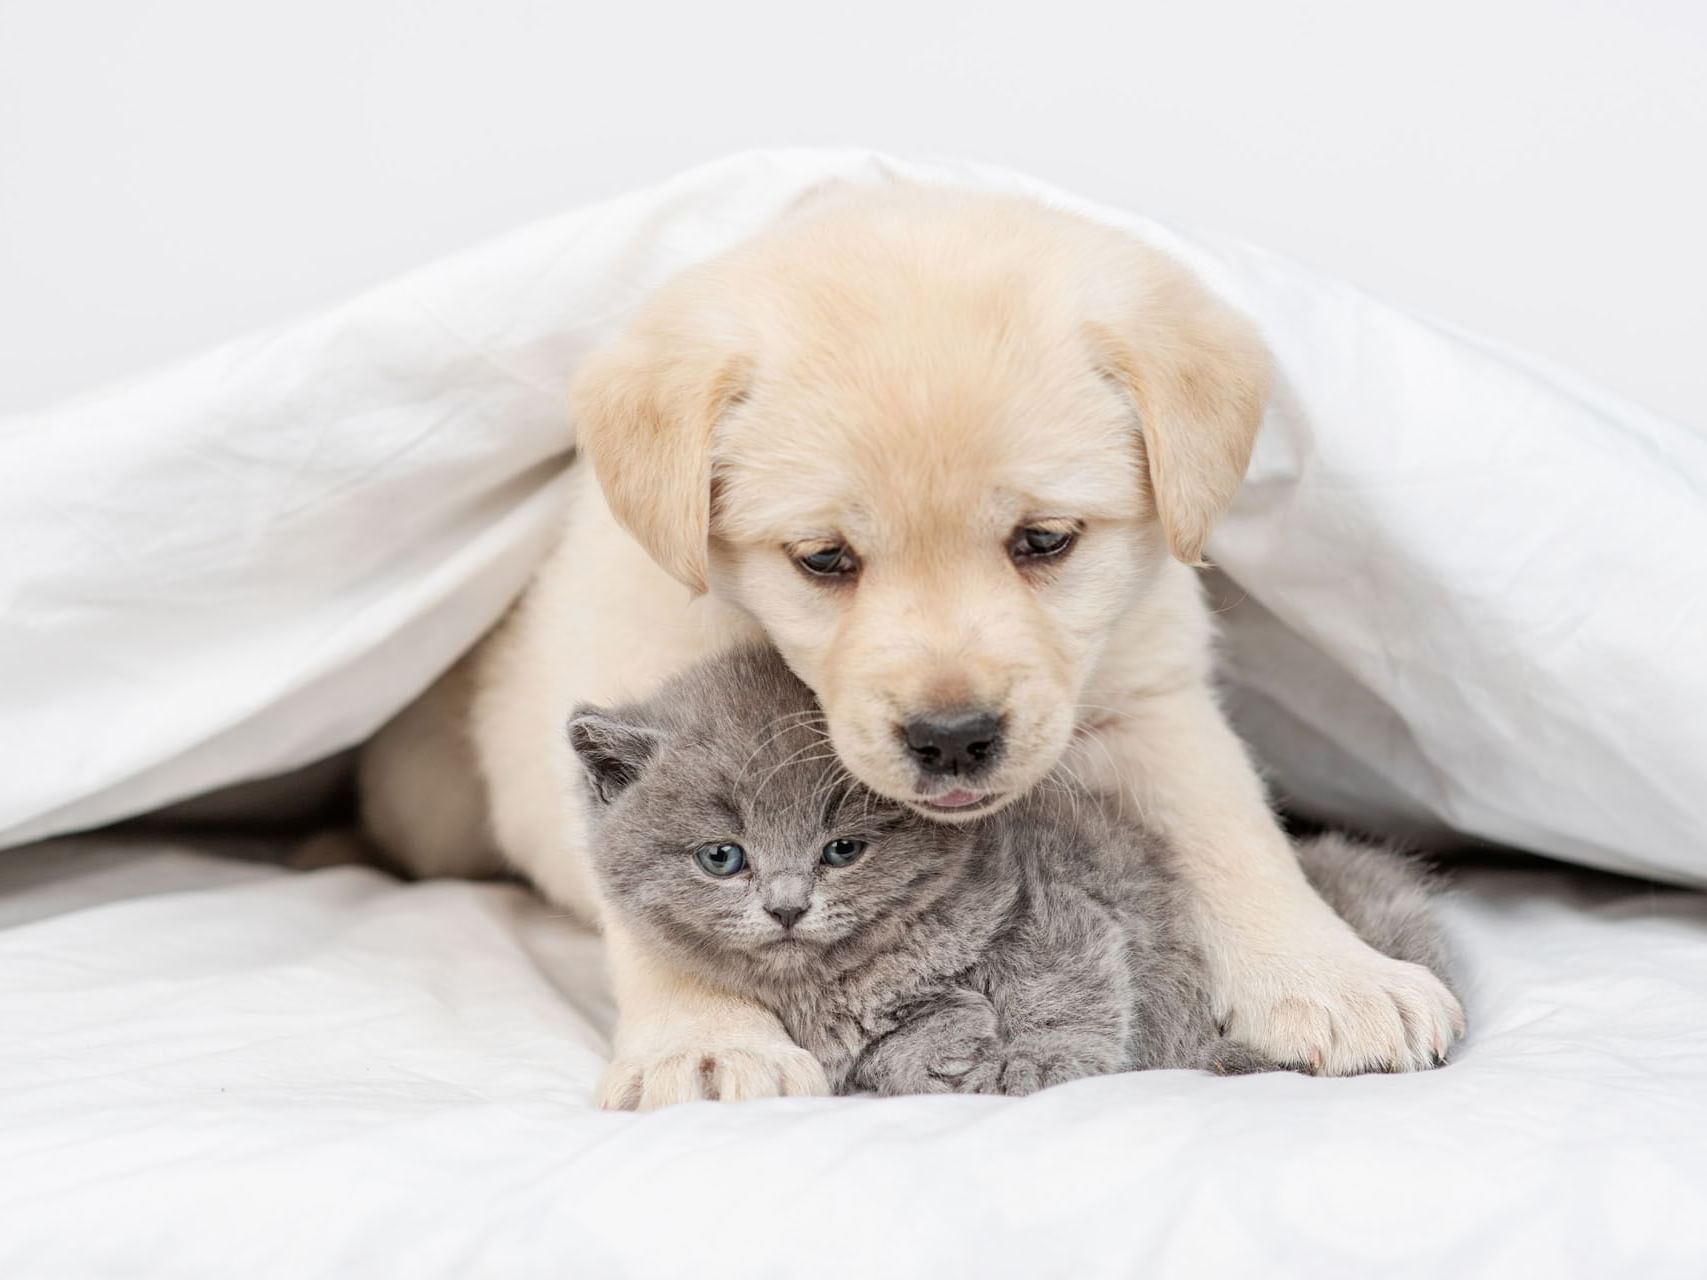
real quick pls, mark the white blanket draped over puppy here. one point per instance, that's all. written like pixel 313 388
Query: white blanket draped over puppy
pixel 1467 594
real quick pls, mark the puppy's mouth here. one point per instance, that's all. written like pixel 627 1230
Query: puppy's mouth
pixel 958 803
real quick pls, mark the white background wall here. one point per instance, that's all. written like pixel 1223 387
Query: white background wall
pixel 175 172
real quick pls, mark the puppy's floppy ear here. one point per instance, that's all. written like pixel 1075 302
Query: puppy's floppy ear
pixel 1199 374
pixel 645 407
pixel 613 752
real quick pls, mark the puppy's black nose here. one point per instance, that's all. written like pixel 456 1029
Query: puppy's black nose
pixel 786 916
pixel 964 743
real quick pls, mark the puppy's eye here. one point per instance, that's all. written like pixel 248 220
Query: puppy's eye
pixel 1034 542
pixel 721 860
pixel 830 561
pixel 838 853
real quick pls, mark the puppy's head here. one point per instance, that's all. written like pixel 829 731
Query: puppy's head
pixel 937 444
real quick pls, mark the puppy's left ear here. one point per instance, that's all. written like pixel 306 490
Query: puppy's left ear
pixel 1199 374
pixel 645 407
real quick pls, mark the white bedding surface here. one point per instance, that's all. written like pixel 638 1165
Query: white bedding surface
pixel 217 1068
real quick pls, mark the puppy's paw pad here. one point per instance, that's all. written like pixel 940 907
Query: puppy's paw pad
pixel 726 1074
pixel 1347 1014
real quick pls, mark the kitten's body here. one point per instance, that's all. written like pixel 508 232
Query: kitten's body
pixel 1041 944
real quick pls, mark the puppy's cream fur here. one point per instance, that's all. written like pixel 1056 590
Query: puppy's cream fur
pixel 915 374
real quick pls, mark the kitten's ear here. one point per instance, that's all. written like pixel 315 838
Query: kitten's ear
pixel 612 751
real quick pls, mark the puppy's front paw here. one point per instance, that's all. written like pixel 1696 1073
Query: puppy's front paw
pixel 727 1072
pixel 1341 1010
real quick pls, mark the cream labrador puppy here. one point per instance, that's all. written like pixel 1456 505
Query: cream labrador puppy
pixel 955 455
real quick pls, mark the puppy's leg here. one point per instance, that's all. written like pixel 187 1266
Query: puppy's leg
pixel 1287 975
pixel 1380 893
pixel 680 1039
pixel 422 802
pixel 328 849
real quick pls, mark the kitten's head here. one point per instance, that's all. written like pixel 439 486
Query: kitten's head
pixel 725 827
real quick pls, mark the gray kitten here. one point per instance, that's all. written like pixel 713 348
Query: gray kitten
pixel 1043 943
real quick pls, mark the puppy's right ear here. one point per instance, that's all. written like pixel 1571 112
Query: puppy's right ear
pixel 644 410
pixel 613 752
pixel 1198 373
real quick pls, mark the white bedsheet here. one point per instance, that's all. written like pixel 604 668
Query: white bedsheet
pixel 214 1069
pixel 1473 594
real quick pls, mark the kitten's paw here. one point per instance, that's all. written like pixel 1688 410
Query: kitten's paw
pixel 959 1052
pixel 1048 1058
pixel 949 1048
pixel 971 1069
pixel 1340 1010
pixel 726 1073
pixel 1022 1075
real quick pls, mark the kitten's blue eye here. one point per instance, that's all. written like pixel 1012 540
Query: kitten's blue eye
pixel 838 853
pixel 721 859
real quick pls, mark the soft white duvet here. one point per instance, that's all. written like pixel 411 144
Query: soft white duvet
pixel 1463 595
pixel 1467 593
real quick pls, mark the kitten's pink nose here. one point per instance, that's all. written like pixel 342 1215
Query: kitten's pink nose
pixel 786 916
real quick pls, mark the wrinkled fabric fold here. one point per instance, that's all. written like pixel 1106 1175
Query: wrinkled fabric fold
pixel 1471 590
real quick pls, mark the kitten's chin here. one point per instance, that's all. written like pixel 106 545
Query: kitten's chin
pixel 799 949
pixel 788 944
pixel 808 944
pixel 787 957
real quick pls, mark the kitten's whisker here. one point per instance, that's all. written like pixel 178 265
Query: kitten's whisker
pixel 794 760
pixel 793 757
pixel 780 726
pixel 821 794
pixel 787 724
pixel 787 760
pixel 820 789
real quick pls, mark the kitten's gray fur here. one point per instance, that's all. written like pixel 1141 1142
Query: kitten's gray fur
pixel 1046 942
